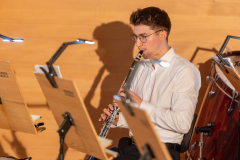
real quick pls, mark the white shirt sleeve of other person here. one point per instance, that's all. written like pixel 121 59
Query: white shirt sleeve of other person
pixel 169 95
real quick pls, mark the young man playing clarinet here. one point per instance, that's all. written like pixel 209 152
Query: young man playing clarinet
pixel 168 92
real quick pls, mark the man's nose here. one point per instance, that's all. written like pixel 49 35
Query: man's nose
pixel 138 42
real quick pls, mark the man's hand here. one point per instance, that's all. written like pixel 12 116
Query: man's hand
pixel 134 96
pixel 107 112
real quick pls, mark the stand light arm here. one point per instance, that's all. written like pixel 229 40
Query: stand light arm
pixel 49 63
pixel 219 55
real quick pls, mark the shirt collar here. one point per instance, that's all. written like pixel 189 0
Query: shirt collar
pixel 164 61
pixel 168 56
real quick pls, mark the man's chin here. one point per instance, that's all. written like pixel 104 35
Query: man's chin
pixel 145 55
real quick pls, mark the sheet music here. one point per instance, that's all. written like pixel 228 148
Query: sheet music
pixel 56 68
pixel 34 117
pixel 225 59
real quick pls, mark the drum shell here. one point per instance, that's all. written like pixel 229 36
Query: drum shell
pixel 223 141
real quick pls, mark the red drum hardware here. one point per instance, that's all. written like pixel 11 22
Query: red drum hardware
pixel 216 133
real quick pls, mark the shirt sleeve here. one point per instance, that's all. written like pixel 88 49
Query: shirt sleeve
pixel 178 116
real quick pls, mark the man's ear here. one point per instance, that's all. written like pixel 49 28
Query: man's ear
pixel 163 35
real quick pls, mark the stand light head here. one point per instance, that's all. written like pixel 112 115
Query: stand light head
pixel 85 41
pixel 8 39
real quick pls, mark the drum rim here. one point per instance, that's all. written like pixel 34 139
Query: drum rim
pixel 230 96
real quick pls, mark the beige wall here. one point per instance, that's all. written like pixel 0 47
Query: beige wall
pixel 198 27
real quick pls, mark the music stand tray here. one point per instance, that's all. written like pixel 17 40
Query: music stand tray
pixel 82 136
pixel 145 136
pixel 14 114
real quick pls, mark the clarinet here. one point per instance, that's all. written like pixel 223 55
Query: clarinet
pixel 106 126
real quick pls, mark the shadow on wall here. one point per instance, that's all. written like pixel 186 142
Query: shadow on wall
pixel 17 147
pixel 204 69
pixel 115 51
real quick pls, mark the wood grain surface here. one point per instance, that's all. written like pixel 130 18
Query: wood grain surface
pixel 198 31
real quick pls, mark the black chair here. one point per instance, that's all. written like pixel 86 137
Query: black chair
pixel 187 137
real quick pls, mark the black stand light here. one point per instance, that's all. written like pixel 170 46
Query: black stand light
pixel 50 75
pixel 8 39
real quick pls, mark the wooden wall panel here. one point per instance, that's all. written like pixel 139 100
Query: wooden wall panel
pixel 198 28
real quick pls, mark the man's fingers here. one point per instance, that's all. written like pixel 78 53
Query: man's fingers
pixel 123 94
pixel 102 117
pixel 110 106
pixel 121 90
pixel 106 111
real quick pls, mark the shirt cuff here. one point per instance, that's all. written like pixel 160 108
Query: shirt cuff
pixel 121 122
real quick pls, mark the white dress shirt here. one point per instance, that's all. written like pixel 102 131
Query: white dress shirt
pixel 169 94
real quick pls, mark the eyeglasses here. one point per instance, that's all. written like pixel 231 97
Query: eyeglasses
pixel 142 38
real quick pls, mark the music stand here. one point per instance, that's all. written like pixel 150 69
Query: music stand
pixel 14 114
pixel 66 100
pixel 145 136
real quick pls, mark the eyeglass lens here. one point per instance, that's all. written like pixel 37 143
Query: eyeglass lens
pixel 143 39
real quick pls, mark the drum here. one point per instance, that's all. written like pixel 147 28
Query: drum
pixel 216 134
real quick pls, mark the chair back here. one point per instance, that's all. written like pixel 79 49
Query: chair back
pixel 187 137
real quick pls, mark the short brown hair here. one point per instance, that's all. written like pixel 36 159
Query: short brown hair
pixel 153 17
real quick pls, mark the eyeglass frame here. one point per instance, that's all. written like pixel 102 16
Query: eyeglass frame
pixel 138 37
